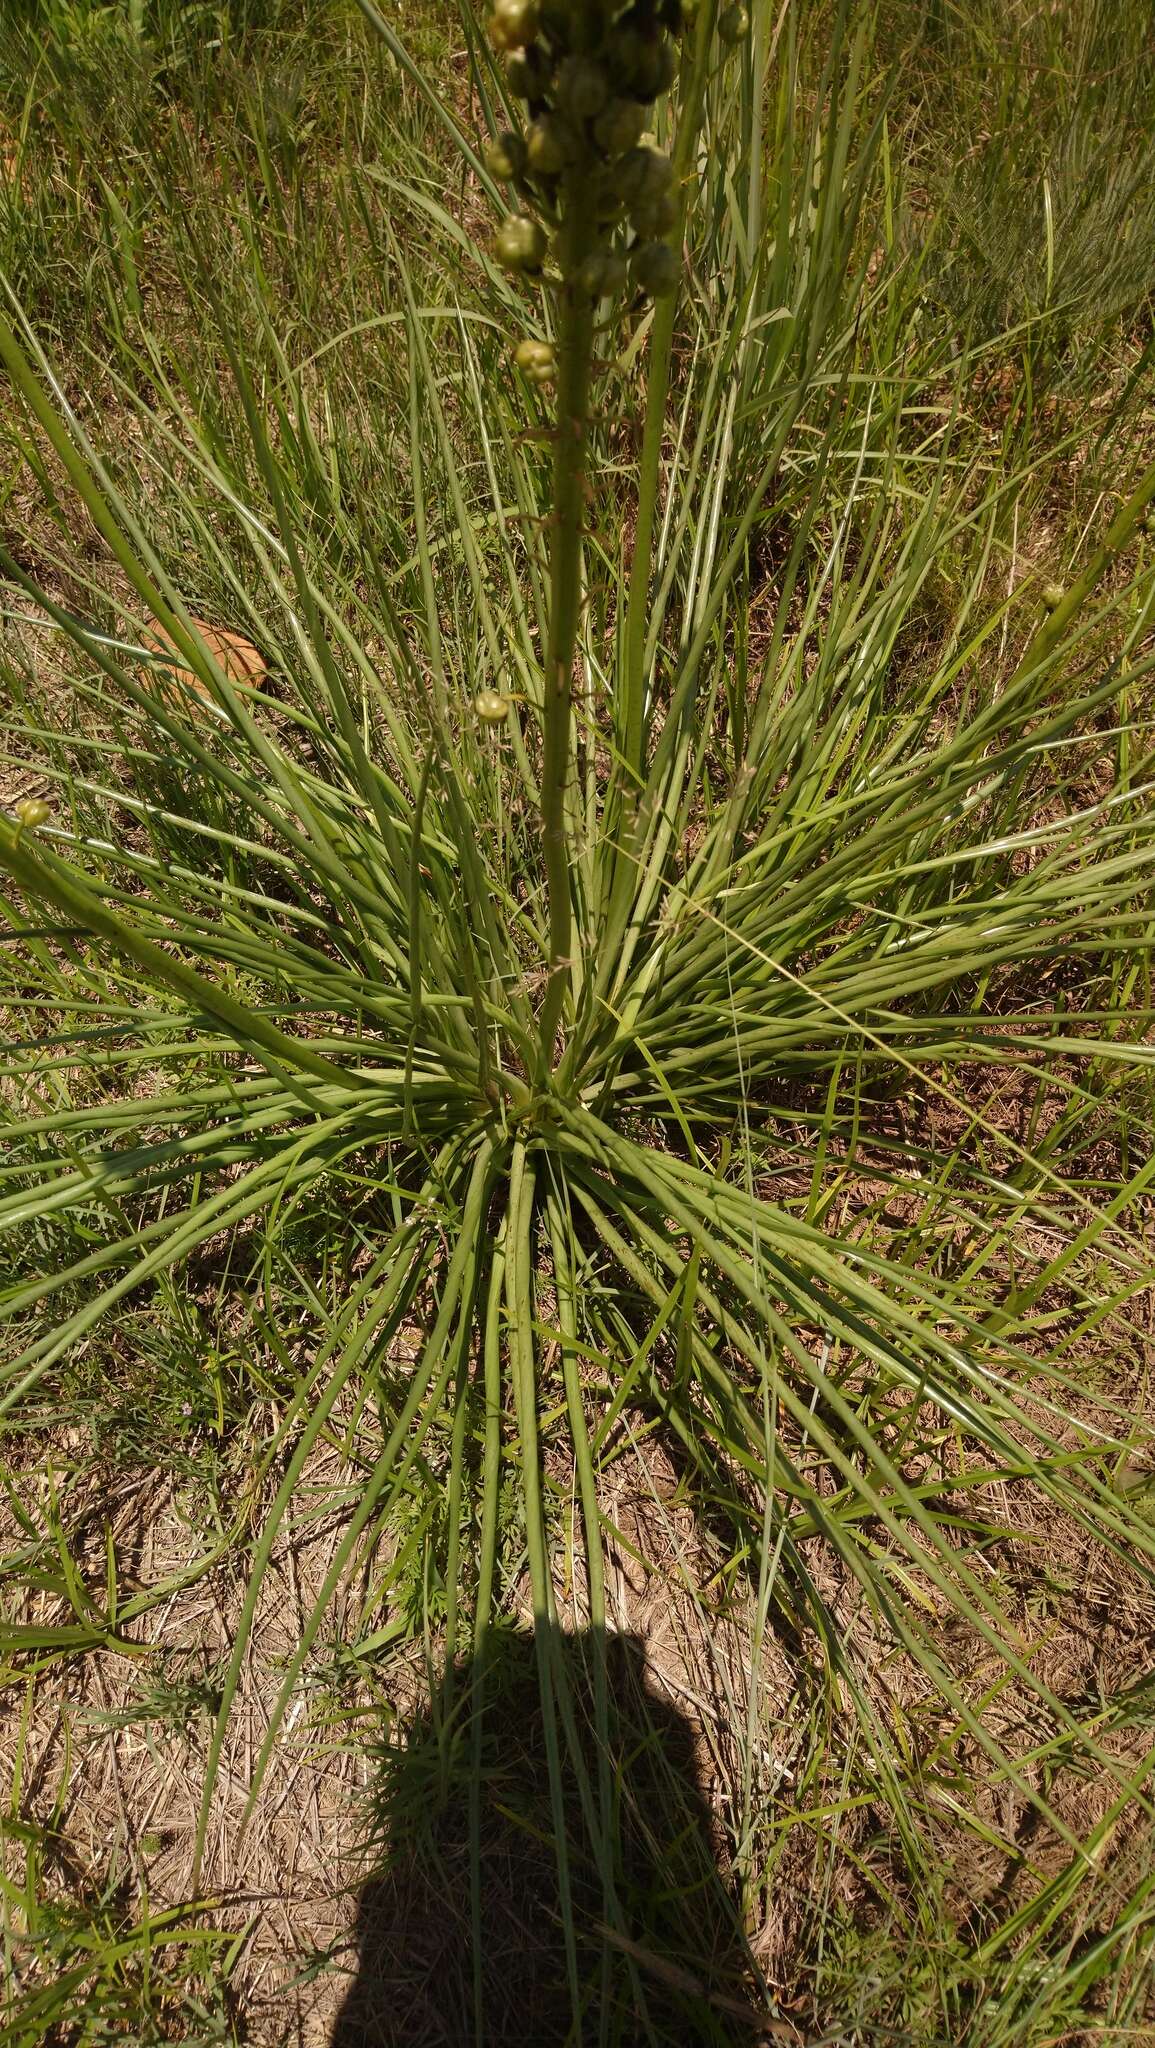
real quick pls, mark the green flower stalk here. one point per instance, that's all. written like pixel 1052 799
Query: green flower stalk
pixel 588 80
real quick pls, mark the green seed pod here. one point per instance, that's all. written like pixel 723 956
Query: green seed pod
pixel 619 125
pixel 733 24
pixel 505 156
pixel 491 707
pixel 644 174
pixel 623 55
pixel 549 145
pixel 606 201
pixel 582 88
pixel 536 360
pixel 658 72
pixel 514 23
pixel 603 275
pixel 1052 595
pixel 641 63
pixel 1149 519
pixel 529 73
pixel 31 812
pixel 655 269
pixel 654 217
pixel 519 243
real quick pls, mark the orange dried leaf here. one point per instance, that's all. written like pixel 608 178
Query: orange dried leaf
pixel 244 667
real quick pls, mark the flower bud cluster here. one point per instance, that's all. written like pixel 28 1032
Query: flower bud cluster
pixel 595 197
pixel 31 812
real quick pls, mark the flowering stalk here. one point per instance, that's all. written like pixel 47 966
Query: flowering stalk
pixel 583 167
pixel 575 364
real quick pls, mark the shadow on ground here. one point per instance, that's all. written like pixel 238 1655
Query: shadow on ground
pixel 473 1913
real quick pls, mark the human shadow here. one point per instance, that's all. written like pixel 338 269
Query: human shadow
pixel 475 1929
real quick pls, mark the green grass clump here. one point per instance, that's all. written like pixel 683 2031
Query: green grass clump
pixel 661 955
pixel 101 1974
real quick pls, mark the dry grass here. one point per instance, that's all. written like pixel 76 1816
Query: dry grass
pixel 117 1780
pixel 113 1748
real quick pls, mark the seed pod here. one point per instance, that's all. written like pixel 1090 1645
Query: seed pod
pixel 623 54
pixel 30 812
pixel 582 88
pixel 536 360
pixel 642 175
pixel 1052 596
pixel 619 125
pixel 548 146
pixel 529 73
pixel 514 23
pixel 733 24
pixel 657 72
pixel 520 243
pixel 606 201
pixel 654 217
pixel 655 269
pixel 603 275
pixel 642 64
pixel 505 156
pixel 491 707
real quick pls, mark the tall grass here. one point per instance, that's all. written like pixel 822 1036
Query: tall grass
pixel 653 1042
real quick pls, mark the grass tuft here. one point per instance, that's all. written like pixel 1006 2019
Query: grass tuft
pixel 681 1149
